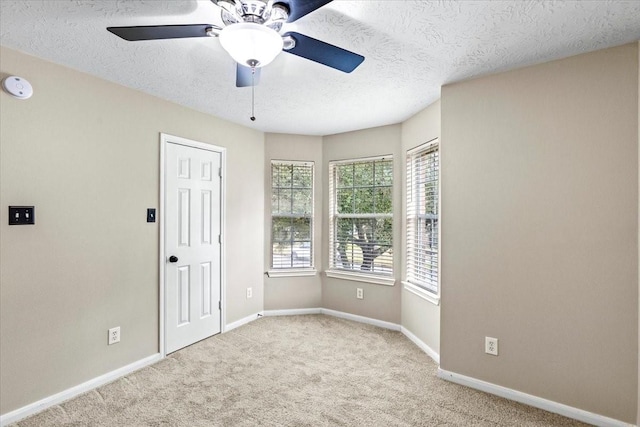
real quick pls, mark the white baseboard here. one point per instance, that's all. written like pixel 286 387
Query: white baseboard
pixel 25 411
pixel 334 313
pixel 293 312
pixel 424 347
pixel 231 326
pixel 361 319
pixel 387 325
pixel 304 311
pixel 527 399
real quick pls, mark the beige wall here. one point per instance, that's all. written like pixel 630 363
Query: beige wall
pixel 540 230
pixel 282 293
pixel 85 152
pixel 380 301
pixel 419 316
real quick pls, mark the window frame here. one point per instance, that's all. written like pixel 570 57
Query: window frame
pixel 293 271
pixel 376 277
pixel 411 284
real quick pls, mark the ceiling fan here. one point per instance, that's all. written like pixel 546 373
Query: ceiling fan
pixel 251 35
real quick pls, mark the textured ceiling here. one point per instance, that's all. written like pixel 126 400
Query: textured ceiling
pixel 411 49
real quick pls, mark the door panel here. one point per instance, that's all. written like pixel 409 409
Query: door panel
pixel 192 230
pixel 184 285
pixel 205 277
pixel 206 217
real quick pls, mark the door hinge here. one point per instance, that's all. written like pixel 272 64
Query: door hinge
pixel 220 172
pixel 219 305
pixel 219 238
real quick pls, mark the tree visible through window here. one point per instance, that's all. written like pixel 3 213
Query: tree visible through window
pixel 361 216
pixel 291 214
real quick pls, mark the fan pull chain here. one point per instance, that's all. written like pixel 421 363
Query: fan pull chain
pixel 253 89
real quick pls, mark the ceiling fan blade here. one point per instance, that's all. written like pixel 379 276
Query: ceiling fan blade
pixel 324 53
pixel 299 8
pixel 244 78
pixel 159 32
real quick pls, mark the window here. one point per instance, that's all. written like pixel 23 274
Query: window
pixel 361 215
pixel 423 166
pixel 291 215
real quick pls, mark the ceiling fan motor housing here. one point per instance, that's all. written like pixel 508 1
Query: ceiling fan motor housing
pixel 253 11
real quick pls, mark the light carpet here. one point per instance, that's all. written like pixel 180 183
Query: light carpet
pixel 313 370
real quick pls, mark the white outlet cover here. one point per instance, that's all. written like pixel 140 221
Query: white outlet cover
pixel 114 335
pixel 491 346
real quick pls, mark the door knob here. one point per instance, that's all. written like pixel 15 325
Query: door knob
pixel 173 258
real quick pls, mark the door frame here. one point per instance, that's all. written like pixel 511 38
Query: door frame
pixel 171 139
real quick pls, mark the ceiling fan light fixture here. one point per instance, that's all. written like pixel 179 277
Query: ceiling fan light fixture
pixel 251 44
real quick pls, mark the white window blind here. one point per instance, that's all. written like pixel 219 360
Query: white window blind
pixel 291 214
pixel 361 215
pixel 423 176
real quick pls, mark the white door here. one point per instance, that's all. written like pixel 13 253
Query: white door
pixel 192 245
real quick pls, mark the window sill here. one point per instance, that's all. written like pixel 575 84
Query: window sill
pixel 426 295
pixel 292 272
pixel 378 280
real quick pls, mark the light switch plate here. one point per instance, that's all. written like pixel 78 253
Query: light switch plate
pixel 22 215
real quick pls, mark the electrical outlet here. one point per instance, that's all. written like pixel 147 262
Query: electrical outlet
pixel 491 346
pixel 114 335
pixel 359 293
pixel 249 293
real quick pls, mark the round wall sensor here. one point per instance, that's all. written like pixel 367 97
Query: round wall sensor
pixel 17 87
